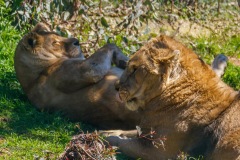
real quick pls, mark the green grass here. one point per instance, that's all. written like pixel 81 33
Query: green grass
pixel 210 46
pixel 232 76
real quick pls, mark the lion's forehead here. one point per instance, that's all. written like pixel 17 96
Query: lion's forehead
pixel 52 37
pixel 138 59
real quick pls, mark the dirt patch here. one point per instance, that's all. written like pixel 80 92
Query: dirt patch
pixel 234 60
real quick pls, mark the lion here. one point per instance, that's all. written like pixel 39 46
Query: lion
pixel 55 76
pixel 184 106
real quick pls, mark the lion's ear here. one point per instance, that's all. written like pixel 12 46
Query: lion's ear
pixel 169 57
pixel 41 27
pixel 161 62
pixel 175 69
pixel 176 54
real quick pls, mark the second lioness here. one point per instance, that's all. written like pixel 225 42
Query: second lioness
pixel 55 76
pixel 182 98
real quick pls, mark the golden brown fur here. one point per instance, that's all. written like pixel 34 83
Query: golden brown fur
pixel 55 76
pixel 179 97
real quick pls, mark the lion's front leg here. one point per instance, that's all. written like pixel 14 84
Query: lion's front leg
pixel 132 145
pixel 119 58
pixel 75 73
pixel 135 147
pixel 121 133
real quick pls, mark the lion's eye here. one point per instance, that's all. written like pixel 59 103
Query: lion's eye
pixel 55 43
pixel 134 69
pixel 31 42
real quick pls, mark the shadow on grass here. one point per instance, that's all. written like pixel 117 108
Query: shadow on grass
pixel 19 116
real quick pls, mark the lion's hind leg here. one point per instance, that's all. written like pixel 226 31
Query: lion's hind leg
pixel 119 58
pixel 95 67
pixel 219 64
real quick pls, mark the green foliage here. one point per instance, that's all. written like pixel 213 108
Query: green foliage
pixel 232 76
pixel 93 22
pixel 214 44
pixel 27 13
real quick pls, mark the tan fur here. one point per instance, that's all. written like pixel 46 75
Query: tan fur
pixel 55 76
pixel 179 97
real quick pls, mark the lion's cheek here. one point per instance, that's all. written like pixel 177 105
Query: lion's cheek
pixel 118 98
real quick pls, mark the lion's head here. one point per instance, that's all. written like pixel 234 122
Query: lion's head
pixel 39 49
pixel 157 69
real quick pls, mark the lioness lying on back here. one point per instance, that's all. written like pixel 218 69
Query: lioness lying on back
pixel 179 97
pixel 55 76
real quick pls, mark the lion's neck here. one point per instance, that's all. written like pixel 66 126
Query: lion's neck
pixel 185 103
pixel 208 101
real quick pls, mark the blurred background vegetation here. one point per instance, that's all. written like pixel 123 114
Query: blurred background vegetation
pixel 129 23
pixel 209 27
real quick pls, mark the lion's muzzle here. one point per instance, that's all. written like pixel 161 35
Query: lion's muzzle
pixel 123 95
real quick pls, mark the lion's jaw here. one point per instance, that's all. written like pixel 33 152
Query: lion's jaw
pixel 125 96
pixel 136 85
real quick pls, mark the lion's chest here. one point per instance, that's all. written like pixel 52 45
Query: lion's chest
pixel 163 128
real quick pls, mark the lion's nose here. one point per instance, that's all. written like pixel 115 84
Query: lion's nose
pixel 76 42
pixel 123 95
pixel 117 85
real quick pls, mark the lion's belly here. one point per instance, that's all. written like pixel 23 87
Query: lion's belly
pixel 95 104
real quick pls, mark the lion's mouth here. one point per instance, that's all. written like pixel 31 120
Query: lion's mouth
pixel 125 100
pixel 132 100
